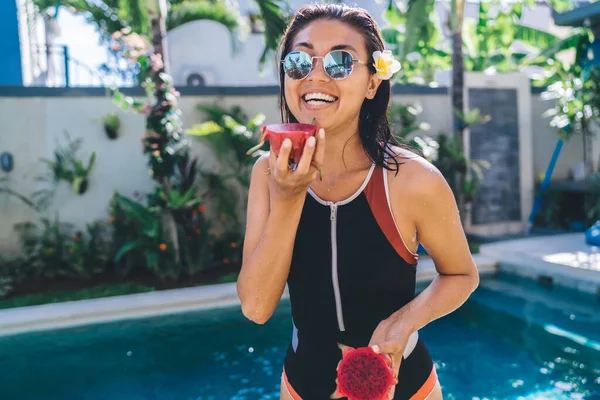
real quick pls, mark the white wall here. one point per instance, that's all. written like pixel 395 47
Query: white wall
pixel 30 126
pixel 216 59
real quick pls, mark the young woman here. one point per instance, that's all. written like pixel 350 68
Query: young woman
pixel 346 245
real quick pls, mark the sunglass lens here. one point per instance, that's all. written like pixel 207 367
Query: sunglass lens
pixel 297 65
pixel 338 64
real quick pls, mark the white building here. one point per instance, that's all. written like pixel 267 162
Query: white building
pixel 32 39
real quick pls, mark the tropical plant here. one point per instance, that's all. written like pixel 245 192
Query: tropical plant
pixel 576 96
pixel 164 143
pixel 403 120
pixel 452 161
pixel 148 239
pixel 13 271
pixel 65 166
pixel 228 133
pixel 52 249
pixel 112 123
pixel 404 125
pixel 143 237
pixel 5 189
pixel 414 34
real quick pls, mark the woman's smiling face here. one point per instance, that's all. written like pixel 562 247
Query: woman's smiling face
pixel 344 97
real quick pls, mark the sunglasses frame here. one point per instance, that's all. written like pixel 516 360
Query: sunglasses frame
pixel 312 62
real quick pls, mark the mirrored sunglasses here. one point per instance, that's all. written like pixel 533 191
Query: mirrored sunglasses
pixel 338 64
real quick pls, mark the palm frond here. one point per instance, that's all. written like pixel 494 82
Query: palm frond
pixel 534 37
pixel 195 10
pixel 275 20
pixel 105 15
pixel 577 39
pixel 417 17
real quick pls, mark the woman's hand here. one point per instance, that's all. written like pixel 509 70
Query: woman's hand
pixel 290 184
pixel 390 338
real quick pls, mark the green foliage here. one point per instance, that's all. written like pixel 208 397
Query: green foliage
pixel 5 189
pixel 444 151
pixel 147 241
pixel 13 271
pixel 275 20
pixel 546 58
pixel 169 233
pixel 452 163
pixel 403 123
pixel 414 36
pixel 106 15
pixel 192 10
pixel 576 101
pixel 65 166
pixel 228 134
pixel 112 123
pixel 164 142
pixel 561 6
pixel 172 242
pixel 110 16
pixel 53 249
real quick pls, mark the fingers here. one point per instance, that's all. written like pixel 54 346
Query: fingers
pixel 307 156
pixel 396 361
pixel 303 173
pixel 320 148
pixel 391 347
pixel 281 165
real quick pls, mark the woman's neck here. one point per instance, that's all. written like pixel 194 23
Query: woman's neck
pixel 343 152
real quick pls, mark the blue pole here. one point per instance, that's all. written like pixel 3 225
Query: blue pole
pixel 544 185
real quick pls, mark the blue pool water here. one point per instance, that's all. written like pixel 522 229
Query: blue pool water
pixel 512 340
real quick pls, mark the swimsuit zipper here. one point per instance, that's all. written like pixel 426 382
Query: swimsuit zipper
pixel 334 267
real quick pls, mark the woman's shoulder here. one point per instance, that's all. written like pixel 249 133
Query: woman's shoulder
pixel 415 173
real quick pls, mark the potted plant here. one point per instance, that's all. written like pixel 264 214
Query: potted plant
pixel 112 123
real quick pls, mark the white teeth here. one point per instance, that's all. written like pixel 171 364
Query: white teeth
pixel 319 96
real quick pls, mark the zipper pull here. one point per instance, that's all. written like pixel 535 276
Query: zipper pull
pixel 333 211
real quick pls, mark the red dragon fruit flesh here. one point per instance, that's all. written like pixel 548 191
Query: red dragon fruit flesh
pixel 362 374
pixel 298 133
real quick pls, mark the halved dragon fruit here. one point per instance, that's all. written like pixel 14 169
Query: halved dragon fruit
pixel 298 133
pixel 362 374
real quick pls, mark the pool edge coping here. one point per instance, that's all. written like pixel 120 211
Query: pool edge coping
pixel 143 305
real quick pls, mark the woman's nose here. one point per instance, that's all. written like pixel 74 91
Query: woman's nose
pixel 318 71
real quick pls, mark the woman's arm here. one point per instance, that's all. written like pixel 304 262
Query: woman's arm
pixel 275 201
pixel 440 231
pixel 268 245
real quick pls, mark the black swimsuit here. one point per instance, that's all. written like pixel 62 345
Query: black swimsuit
pixel 350 270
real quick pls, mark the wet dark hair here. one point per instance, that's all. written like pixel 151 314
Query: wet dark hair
pixel 373 124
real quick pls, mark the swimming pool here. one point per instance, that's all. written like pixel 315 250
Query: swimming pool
pixel 512 340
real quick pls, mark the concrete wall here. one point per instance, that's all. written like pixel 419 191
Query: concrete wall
pixel 30 127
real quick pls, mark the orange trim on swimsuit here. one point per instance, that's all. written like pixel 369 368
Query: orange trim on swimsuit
pixel 421 394
pixel 375 193
pixel 427 387
pixel 289 388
